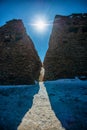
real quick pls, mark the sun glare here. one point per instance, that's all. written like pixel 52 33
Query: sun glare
pixel 40 25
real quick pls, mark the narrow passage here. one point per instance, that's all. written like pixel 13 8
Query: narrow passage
pixel 41 115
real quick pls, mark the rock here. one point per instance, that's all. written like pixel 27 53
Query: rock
pixel 66 56
pixel 19 61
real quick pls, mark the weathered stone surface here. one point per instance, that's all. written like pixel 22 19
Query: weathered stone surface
pixel 19 61
pixel 67 52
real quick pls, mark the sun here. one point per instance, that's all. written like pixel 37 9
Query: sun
pixel 40 25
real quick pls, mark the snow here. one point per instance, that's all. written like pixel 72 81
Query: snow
pixel 15 101
pixel 37 117
pixel 68 99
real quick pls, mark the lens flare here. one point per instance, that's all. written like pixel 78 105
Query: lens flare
pixel 40 25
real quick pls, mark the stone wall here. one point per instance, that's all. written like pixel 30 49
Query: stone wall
pixel 19 61
pixel 66 56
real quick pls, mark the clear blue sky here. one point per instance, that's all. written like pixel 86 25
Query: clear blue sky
pixel 28 10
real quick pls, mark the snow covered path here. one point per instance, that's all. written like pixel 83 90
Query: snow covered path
pixel 40 116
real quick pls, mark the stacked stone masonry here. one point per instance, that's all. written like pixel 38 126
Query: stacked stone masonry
pixel 66 56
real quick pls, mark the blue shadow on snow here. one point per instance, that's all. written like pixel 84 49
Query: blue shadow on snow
pixel 69 103
pixel 14 103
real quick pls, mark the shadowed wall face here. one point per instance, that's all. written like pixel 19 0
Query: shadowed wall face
pixel 19 61
pixel 67 52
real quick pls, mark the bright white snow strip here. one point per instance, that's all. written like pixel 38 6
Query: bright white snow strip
pixel 41 115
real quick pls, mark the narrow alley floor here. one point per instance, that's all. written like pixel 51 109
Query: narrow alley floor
pixel 41 115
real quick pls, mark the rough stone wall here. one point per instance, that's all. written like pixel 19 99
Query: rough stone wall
pixel 19 61
pixel 67 53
